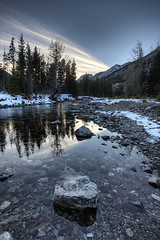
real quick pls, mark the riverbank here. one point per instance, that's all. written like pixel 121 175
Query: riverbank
pixel 7 100
pixel 137 120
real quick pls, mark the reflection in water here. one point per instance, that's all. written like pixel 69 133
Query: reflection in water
pixel 34 127
pixel 84 218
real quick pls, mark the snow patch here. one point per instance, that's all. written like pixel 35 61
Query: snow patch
pixel 10 101
pixel 151 127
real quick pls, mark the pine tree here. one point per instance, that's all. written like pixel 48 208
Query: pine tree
pixel 72 83
pixel 61 76
pixel 43 76
pixel 36 65
pixel 154 76
pixel 11 54
pixel 55 50
pixel 68 76
pixel 29 77
pixel 5 76
pixel 21 64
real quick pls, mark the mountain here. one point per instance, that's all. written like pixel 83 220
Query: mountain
pixel 138 78
pixel 90 76
pixel 110 71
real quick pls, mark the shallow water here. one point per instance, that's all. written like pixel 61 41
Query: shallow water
pixel 39 148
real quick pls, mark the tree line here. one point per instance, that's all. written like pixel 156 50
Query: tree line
pixel 26 72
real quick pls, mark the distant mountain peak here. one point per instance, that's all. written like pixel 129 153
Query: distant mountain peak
pixel 84 75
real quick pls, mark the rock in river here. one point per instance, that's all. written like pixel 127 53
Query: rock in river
pixel 83 132
pixel 75 191
pixel 10 171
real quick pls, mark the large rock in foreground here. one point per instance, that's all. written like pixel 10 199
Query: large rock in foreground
pixel 83 132
pixel 75 191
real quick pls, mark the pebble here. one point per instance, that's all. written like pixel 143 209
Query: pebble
pixel 4 205
pixel 43 180
pixel 129 232
pixel 5 236
pixel 41 233
pixel 89 235
pixel 111 174
pixel 119 169
pixel 60 238
pixel 155 197
pixel 109 195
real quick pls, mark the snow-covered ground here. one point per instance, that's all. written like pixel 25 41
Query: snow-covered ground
pixel 151 127
pixel 112 101
pixel 8 100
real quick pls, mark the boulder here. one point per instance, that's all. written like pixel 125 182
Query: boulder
pixel 9 172
pixel 75 191
pixel 83 132
pixel 154 182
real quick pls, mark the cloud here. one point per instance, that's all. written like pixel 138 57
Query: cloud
pixel 13 24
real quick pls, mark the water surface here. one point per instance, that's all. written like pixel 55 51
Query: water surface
pixel 39 142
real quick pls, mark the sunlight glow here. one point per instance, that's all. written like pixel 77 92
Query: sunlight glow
pixel 38 35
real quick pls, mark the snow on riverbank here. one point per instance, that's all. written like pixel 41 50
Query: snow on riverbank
pixel 113 101
pixel 6 100
pixel 151 127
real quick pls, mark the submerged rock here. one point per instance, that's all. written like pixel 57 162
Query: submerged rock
pixel 84 217
pixel 9 172
pixel 75 191
pixel 83 132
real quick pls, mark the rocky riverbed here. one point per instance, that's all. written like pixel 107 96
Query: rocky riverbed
pixel 132 134
pixel 121 158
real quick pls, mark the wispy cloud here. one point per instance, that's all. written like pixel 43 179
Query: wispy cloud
pixel 13 24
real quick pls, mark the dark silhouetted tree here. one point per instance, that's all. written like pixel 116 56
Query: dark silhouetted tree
pixel 56 49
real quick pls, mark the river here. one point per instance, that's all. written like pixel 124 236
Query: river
pixel 39 141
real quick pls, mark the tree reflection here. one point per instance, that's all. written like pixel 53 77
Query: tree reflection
pixel 36 126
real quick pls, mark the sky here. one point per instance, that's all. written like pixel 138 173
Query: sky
pixel 98 34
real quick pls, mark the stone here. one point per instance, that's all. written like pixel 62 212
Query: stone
pixel 75 191
pixel 4 205
pixel 89 235
pixel 154 182
pixel 5 236
pixel 111 174
pixel 155 197
pixel 83 132
pixel 129 232
pixel 133 169
pixel 148 169
pixel 9 172
pixel 138 204
pixel 41 233
pixel 119 169
pixel 105 138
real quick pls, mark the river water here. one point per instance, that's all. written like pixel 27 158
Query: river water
pixel 39 142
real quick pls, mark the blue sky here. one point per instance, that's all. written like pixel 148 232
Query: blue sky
pixel 98 34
